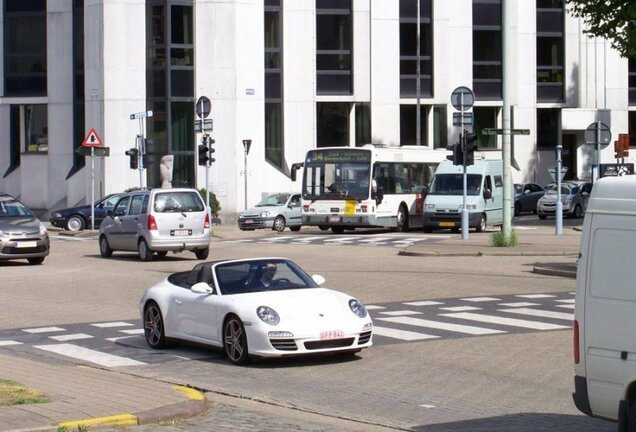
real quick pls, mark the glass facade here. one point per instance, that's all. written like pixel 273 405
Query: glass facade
pixel 632 81
pixel 274 143
pixel 548 128
pixel 485 117
pixel 408 48
pixel 550 50
pixel 332 124
pixel 170 89
pixel 79 108
pixel 408 121
pixel 487 50
pixel 334 40
pixel 363 124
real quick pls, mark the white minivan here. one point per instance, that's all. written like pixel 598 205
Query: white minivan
pixel 605 306
pixel 443 203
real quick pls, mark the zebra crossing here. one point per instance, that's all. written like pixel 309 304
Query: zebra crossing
pixel 364 239
pixel 122 344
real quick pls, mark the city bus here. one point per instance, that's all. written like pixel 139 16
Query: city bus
pixel 368 186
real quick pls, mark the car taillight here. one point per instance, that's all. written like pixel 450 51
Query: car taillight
pixel 575 341
pixel 152 223
pixel 206 224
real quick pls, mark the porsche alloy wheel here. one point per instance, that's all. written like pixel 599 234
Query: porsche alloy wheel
pixel 235 341
pixel 153 327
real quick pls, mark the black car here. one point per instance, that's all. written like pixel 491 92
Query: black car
pixel 78 218
pixel 526 197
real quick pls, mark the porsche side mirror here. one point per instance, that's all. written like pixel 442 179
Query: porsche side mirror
pixel 201 288
pixel 319 279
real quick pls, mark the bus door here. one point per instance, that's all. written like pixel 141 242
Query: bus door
pixel 385 182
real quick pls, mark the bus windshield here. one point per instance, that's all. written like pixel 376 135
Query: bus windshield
pixel 453 184
pixel 337 174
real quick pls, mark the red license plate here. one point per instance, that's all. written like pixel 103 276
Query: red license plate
pixel 331 334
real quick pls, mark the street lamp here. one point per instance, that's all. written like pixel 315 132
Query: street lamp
pixel 246 146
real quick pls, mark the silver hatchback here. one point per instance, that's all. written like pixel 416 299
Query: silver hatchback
pixel 22 235
pixel 157 221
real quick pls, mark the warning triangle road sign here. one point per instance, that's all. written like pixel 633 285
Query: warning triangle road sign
pixel 92 139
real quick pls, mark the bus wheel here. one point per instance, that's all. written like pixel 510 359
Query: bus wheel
pixel 482 224
pixel 402 219
pixel 323 227
pixel 337 229
pixel 428 229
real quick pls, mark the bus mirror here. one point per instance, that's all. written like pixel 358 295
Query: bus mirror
pixel 295 167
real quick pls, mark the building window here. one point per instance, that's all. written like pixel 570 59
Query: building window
pixel 14 139
pixel 170 89
pixel 274 144
pixel 547 128
pixel 333 47
pixel 408 121
pixel 25 47
pixel 632 128
pixel 79 109
pixel 408 48
pixel 332 124
pixel 487 50
pixel 550 50
pixel 363 124
pixel 485 117
pixel 440 127
pixel 632 81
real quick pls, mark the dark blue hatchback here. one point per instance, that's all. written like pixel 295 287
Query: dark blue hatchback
pixel 78 218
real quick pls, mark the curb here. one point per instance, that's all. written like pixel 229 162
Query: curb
pixel 485 253
pixel 547 271
pixel 196 404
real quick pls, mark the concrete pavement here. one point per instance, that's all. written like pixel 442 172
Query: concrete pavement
pixel 86 396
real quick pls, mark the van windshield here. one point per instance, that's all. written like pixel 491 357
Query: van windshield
pixel 453 184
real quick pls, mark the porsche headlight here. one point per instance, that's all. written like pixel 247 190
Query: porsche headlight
pixel 267 315
pixel 265 214
pixel 357 308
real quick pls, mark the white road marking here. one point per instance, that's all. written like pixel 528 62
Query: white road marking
pixel 401 313
pixel 513 322
pixel 112 324
pixel 519 304
pixel 480 299
pixel 427 406
pixel 540 313
pixel 340 240
pixel 401 334
pixel 132 332
pixel 373 307
pixel 423 303
pixel 9 343
pixel 97 357
pixel 70 337
pixel 307 239
pixel 374 240
pixel 275 239
pixel 566 306
pixel 44 330
pixel 535 296
pixel 442 325
pixel 565 301
pixel 460 308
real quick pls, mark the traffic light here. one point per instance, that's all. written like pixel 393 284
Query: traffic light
pixel 623 140
pixel 212 149
pixel 470 147
pixel 458 156
pixel 618 149
pixel 134 157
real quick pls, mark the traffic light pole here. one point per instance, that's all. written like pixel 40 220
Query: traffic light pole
pixel 465 213
pixel 559 204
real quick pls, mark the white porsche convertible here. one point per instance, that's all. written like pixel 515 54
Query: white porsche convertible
pixel 262 307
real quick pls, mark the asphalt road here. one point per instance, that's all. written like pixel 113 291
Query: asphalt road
pixel 499 381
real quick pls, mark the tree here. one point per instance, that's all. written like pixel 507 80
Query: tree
pixel 614 20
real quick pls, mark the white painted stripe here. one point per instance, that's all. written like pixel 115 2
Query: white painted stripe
pixel 374 240
pixel 481 299
pixel 565 301
pixel 535 296
pixel 460 308
pixel 373 307
pixel 112 324
pixel 9 343
pixel 97 357
pixel 44 330
pixel 427 406
pixel 423 303
pixel 442 325
pixel 519 304
pixel 339 239
pixel 70 337
pixel 406 241
pixel 566 306
pixel 540 313
pixel 308 238
pixel 115 339
pixel 401 313
pixel 132 332
pixel 513 322
pixel 275 239
pixel 401 334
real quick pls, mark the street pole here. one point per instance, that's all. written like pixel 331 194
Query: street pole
pixel 598 152
pixel 505 150
pixel 92 188
pixel 559 204
pixel 462 143
pixel 245 173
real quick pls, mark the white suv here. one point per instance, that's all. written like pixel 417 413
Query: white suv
pixel 157 220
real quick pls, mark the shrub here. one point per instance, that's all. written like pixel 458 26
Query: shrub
pixel 499 240
pixel 215 205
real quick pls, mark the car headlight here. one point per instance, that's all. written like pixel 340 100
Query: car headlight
pixel 265 214
pixel 56 214
pixel 357 308
pixel 267 315
pixel 430 207
pixel 42 229
pixel 468 206
pixel 241 215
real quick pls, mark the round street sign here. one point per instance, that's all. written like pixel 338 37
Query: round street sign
pixel 598 131
pixel 462 98
pixel 203 107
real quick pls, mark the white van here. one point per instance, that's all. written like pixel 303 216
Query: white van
pixel 605 308
pixel 443 203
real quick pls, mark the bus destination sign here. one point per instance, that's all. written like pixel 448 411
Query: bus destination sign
pixel 338 155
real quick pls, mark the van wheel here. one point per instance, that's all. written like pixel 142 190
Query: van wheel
pixel 323 227
pixel 295 228
pixel 279 224
pixel 402 219
pixel 337 229
pixel 517 209
pixel 145 254
pixel 202 253
pixel 482 223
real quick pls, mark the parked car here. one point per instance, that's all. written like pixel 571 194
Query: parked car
pixel 275 211
pixel 526 197
pixel 78 218
pixel 157 220
pixel 261 307
pixel 574 196
pixel 22 235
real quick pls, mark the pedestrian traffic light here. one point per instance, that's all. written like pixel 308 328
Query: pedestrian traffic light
pixel 133 153
pixel 470 145
pixel 212 149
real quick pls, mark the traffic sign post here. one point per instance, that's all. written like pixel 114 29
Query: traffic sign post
pixel 203 108
pixel 598 133
pixel 88 147
pixel 559 204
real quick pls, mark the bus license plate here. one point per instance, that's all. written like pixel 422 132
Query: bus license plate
pixel 447 224
pixel 334 218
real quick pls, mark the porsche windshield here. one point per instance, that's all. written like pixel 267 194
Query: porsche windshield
pixel 337 174
pixel 453 184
